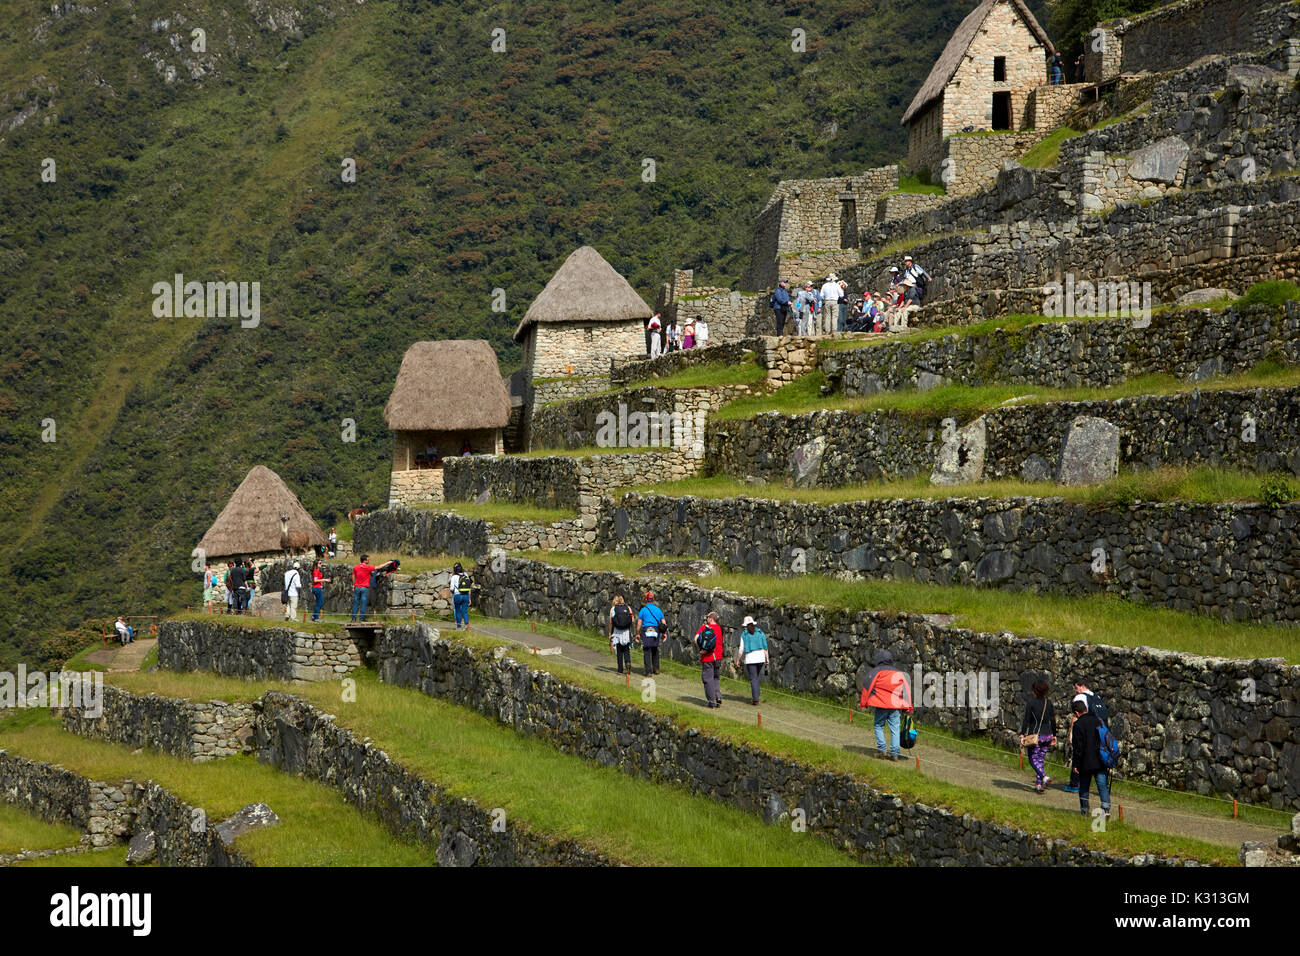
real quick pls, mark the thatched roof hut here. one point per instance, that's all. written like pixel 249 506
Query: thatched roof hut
pixel 946 66
pixel 250 522
pixel 585 289
pixel 448 386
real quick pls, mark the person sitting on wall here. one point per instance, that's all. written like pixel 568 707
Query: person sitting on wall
pixel 466 451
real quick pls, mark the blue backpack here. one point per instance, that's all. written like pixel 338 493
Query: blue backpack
pixel 1109 747
pixel 906 732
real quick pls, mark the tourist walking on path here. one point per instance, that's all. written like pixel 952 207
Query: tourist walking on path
pixel 292 585
pixel 1038 732
pixel 620 632
pixel 709 641
pixel 888 692
pixel 701 332
pixel 361 572
pixel 239 586
pixel 831 294
pixel 1094 705
pixel 318 582
pixel 674 336
pixel 805 310
pixel 1085 746
pixel 209 587
pixel 650 632
pixel 752 655
pixel 461 588
pixel 780 303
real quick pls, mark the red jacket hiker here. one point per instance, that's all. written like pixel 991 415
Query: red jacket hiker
pixel 716 653
pixel 886 687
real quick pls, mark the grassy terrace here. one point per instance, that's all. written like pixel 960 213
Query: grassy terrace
pixel 20 830
pixel 1202 484
pixel 969 401
pixel 563 795
pixel 317 828
pixel 1098 619
pixel 627 818
pixel 500 512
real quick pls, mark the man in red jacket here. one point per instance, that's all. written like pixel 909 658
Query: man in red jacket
pixel 709 641
pixel 361 572
pixel 888 692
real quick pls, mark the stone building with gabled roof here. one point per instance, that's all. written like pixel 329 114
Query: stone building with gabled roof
pixel 983 81
pixel 586 315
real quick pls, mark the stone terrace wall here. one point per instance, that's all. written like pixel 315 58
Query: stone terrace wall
pixel 258 652
pixel 1173 36
pixel 295 737
pixel 975 160
pixel 577 424
pixel 902 205
pixel 877 825
pixel 400 531
pixel 1196 427
pixel 1238 562
pixel 110 814
pixel 729 314
pixel 191 730
pixel 1181 717
pixel 1081 353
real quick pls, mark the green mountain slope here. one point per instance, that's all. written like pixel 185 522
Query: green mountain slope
pixel 476 171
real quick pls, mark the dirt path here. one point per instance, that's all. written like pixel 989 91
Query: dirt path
pixel 993 774
pixel 124 658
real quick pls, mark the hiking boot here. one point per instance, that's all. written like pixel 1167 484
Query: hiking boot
pixel 1039 788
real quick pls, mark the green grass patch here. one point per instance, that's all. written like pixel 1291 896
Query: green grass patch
pixel 257 623
pixel 317 828
pixel 80 661
pixel 914 184
pixel 553 793
pixel 1097 619
pixel 110 856
pixel 748 372
pixel 1044 153
pixel 1272 292
pixel 20 830
pixel 150 659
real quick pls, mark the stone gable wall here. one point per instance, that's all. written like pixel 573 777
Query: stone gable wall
pixel 968 97
pixel 1181 718
pixel 582 348
pixel 272 652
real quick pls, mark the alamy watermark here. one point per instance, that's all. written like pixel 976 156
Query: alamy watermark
pixel 655 429
pixel 83 690
pixel 208 300
pixel 1103 299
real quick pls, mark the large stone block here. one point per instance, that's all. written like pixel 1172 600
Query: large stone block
pixel 1090 452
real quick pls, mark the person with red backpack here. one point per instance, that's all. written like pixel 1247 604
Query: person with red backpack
pixel 888 692
pixel 709 641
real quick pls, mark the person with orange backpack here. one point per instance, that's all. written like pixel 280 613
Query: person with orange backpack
pixel 888 693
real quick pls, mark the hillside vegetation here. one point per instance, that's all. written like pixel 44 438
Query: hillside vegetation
pixel 475 171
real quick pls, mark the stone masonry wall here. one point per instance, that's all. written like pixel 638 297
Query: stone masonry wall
pixel 1228 561
pixel 1190 428
pixel 257 652
pixel 400 531
pixel 968 96
pixel 1100 352
pixel 670 363
pixel 577 349
pixel 191 730
pixel 1181 718
pixel 973 162
pixel 295 737
pixel 877 825
pixel 1173 36
pixel 577 424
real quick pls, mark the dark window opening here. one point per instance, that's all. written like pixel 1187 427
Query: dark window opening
pixel 1002 111
pixel 999 69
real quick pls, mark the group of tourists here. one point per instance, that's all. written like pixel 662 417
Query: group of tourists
pixel 830 309
pixel 693 335
pixel 1091 746
pixel 238 582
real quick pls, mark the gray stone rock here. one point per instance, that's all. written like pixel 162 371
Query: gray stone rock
pixel 1035 468
pixel 255 816
pixel 961 458
pixel 1208 369
pixel 994 567
pixel 143 848
pixel 456 849
pixel 928 380
pixel 1199 296
pixel 1090 452
pixel 806 462
pixel 866 384
pixel 1159 162
pixel 773 809
pixel 692 569
pixel 267 605
pixel 483 497
pixel 1248 76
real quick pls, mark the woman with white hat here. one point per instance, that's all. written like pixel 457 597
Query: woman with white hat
pixel 752 653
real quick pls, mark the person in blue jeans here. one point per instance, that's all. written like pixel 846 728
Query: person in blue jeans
pixel 460 592
pixel 886 691
pixel 361 572
pixel 1085 741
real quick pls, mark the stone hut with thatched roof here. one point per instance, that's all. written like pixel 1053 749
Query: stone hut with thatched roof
pixel 586 315
pixel 262 519
pixel 448 395
pixel 983 81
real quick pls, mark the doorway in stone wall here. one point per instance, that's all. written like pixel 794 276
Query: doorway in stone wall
pixel 1002 110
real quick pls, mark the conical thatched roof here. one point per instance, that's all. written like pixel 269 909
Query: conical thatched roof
pixel 952 54
pixel 250 521
pixel 448 386
pixel 585 289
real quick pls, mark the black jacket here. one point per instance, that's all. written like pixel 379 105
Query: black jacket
pixel 1085 739
pixel 1034 713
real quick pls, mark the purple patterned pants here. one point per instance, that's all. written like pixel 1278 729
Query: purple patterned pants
pixel 1037 756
